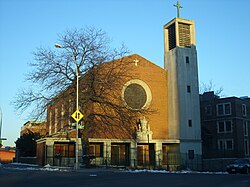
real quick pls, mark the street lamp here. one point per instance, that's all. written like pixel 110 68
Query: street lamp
pixel 77 105
pixel 1 123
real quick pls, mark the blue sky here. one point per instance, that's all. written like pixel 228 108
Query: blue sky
pixel 222 34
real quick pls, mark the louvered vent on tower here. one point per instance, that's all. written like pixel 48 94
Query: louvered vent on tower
pixel 184 35
pixel 171 37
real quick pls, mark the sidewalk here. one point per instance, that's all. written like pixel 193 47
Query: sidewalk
pixel 22 166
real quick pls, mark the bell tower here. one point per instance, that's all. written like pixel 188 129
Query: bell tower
pixel 180 62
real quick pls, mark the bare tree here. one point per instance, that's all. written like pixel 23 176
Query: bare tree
pixel 208 87
pixel 54 78
pixel 53 70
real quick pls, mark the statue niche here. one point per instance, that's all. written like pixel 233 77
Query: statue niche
pixel 143 132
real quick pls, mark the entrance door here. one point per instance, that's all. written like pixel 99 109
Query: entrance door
pixel 63 152
pixel 120 154
pixel 145 155
pixel 115 152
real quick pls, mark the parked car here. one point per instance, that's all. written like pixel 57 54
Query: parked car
pixel 239 166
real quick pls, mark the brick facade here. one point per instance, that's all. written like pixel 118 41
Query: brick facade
pixel 34 127
pixel 144 70
pixel 225 126
pixel 151 134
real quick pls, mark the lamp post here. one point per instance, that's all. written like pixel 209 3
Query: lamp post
pixel 77 105
pixel 1 124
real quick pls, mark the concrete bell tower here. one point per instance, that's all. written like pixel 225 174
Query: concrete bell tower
pixel 180 62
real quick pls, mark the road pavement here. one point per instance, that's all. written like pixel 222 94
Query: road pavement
pixel 97 177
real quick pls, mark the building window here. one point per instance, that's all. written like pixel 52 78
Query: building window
pixel 245 128
pixel 224 126
pixel 62 114
pixel 246 145
pixel 225 144
pixel 221 145
pixel 188 88
pixel 228 126
pixel 190 154
pixel 227 108
pixel 223 109
pixel 220 127
pixel 244 110
pixel 56 119
pixel 190 123
pixel 64 149
pixel 62 111
pixel 70 110
pixel 50 122
pixel 229 144
pixel 70 107
pixel 187 59
pixel 208 110
pixel 220 110
pixel 136 94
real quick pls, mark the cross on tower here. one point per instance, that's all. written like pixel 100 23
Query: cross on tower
pixel 178 6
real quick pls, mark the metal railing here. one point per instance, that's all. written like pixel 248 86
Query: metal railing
pixel 148 160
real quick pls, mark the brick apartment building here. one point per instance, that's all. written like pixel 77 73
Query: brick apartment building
pixel 225 127
pixel 34 127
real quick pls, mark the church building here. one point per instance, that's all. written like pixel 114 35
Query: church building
pixel 169 136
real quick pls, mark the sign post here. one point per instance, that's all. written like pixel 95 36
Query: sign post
pixel 77 116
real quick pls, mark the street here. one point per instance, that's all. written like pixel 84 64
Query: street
pixel 94 178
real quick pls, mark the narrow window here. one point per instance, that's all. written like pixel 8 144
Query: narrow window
pixel 190 123
pixel 228 126
pixel 187 59
pixel 191 154
pixel 220 109
pixel 244 110
pixel 70 110
pixel 62 114
pixel 62 111
pixel 56 120
pixel 227 109
pixel 188 88
pixel 220 127
pixel 220 145
pixel 245 127
pixel 50 122
pixel 246 144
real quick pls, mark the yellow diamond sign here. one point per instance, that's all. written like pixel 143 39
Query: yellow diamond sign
pixel 77 115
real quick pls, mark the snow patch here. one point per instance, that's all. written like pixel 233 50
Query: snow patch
pixel 47 166
pixel 49 169
pixel 174 172
pixel 31 167
pixel 23 164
